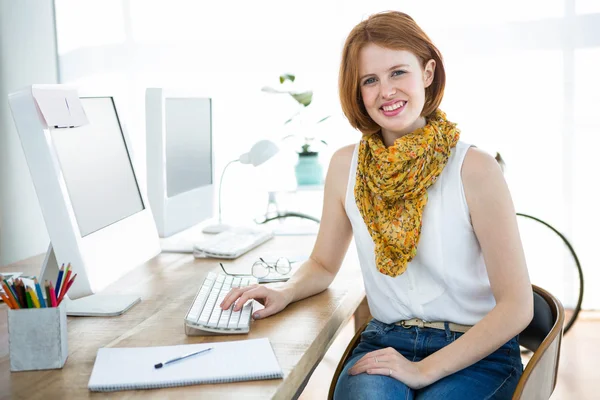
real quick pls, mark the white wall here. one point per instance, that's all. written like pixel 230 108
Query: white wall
pixel 27 55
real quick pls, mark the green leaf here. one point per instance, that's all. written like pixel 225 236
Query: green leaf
pixel 323 119
pixel 287 77
pixel 304 98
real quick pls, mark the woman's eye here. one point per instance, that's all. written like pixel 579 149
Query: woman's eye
pixel 398 73
pixel 368 81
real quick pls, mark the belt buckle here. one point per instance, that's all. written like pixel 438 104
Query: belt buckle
pixel 418 323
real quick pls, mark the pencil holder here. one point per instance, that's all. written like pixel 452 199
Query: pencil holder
pixel 37 338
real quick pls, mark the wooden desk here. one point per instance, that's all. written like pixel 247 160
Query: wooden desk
pixel 300 335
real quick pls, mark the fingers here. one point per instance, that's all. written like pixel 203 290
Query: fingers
pixel 370 366
pixel 233 295
pixel 374 359
pixel 257 291
pixel 381 371
pixel 371 355
pixel 367 362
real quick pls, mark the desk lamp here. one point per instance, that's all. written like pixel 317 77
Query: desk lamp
pixel 260 152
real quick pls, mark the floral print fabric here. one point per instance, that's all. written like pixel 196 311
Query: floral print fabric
pixel 391 187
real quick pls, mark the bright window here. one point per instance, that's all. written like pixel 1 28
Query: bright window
pixel 519 82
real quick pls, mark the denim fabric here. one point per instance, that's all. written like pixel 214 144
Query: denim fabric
pixel 494 377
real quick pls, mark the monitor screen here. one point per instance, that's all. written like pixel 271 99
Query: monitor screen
pixel 97 169
pixel 188 144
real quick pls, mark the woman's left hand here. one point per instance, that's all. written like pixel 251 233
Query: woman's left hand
pixel 389 362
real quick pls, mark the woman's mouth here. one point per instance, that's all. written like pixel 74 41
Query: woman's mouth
pixel 393 109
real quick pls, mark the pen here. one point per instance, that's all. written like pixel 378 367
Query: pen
pixel 160 365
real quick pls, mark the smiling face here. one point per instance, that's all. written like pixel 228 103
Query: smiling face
pixel 392 85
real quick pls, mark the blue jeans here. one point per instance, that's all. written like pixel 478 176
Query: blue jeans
pixel 494 377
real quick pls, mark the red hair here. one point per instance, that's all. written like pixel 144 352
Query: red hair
pixel 392 30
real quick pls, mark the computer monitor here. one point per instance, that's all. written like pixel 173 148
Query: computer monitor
pixel 97 217
pixel 179 158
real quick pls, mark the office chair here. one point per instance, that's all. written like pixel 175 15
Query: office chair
pixel 543 336
pixel 571 320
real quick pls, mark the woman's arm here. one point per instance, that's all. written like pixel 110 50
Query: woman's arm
pixel 335 233
pixel 317 273
pixel 495 225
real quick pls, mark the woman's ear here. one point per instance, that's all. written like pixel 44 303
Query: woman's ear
pixel 429 72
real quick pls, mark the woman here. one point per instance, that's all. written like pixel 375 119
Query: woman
pixel 435 229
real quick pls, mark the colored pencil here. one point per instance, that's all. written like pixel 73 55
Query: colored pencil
pixel 61 272
pixel 47 290
pixel 38 290
pixel 66 277
pixel 20 289
pixel 29 301
pixel 13 295
pixel 13 291
pixel 9 294
pixel 52 295
pixel 34 299
pixel 68 285
pixel 7 301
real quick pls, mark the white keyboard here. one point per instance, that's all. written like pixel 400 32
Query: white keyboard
pixel 205 313
pixel 232 243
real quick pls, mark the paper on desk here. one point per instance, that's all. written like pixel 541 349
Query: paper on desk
pixel 230 361
pixel 60 105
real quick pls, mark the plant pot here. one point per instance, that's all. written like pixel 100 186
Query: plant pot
pixel 309 170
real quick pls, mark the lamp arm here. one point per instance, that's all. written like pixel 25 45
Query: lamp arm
pixel 221 185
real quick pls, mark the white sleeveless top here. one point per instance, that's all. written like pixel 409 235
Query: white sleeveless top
pixel 447 280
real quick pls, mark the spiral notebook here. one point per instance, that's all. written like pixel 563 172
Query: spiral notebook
pixel 133 368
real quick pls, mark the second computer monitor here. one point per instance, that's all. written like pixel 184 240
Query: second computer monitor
pixel 179 158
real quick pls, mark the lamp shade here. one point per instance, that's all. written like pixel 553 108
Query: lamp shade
pixel 259 153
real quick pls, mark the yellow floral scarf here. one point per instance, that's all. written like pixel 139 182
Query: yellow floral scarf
pixel 391 187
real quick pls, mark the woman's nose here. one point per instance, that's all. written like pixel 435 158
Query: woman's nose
pixel 388 91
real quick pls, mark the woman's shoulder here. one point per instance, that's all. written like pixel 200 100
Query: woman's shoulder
pixel 481 172
pixel 478 164
pixel 343 156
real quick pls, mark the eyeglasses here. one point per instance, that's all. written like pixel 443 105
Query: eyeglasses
pixel 261 268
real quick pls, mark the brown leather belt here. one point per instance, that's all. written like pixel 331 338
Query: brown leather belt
pixel 435 325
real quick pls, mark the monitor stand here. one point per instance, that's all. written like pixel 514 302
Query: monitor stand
pixel 96 305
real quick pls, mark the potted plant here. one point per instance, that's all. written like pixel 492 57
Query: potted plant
pixel 308 169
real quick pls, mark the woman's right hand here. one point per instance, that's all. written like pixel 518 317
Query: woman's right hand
pixel 274 299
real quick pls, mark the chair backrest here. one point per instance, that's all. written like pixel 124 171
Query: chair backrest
pixel 543 336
